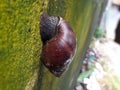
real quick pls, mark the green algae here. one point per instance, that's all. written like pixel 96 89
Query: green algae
pixel 20 42
pixel 79 15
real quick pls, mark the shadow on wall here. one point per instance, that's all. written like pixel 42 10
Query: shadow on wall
pixel 117 38
pixel 117 33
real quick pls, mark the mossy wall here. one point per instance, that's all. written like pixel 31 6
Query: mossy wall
pixel 20 43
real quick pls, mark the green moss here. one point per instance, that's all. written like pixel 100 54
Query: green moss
pixel 20 43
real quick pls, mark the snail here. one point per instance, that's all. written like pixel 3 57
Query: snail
pixel 59 43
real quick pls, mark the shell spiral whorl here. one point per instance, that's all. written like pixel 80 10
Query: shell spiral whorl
pixel 59 43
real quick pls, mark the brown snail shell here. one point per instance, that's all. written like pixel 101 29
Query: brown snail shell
pixel 59 43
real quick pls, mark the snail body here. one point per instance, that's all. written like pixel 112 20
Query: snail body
pixel 59 44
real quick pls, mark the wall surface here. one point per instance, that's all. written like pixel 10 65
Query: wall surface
pixel 20 43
